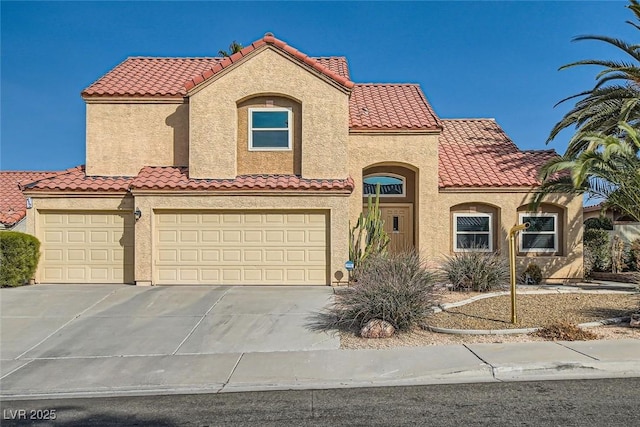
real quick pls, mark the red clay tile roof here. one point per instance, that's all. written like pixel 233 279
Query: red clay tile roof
pixel 75 179
pixel 390 107
pixel 173 178
pixel 477 153
pixel 139 76
pixel 13 203
pixel 176 178
pixel 173 77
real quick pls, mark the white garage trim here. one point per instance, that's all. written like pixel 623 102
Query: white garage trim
pixel 86 247
pixel 241 247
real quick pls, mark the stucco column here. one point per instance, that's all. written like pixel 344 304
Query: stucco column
pixel 143 249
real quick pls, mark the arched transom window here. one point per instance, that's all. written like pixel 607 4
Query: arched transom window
pixel 391 185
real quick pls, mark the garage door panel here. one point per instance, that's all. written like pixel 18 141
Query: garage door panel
pixel 253 256
pixel 241 248
pixel 86 247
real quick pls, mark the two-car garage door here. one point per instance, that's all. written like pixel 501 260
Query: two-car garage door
pixel 233 248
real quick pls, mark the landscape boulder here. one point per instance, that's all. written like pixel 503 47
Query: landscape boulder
pixel 377 328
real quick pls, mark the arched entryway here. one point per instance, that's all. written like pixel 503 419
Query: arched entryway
pixel 397 202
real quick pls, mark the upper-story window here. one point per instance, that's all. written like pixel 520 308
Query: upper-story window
pixel 472 232
pixel 542 234
pixel 270 129
pixel 390 185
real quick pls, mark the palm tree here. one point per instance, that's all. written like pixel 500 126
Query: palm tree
pixel 234 47
pixel 608 168
pixel 615 98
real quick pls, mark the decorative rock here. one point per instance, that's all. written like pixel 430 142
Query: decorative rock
pixel 635 321
pixel 377 328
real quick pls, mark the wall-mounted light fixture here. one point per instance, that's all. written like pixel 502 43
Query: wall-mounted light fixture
pixel 29 203
pixel 137 214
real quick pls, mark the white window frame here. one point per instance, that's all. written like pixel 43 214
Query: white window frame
pixel 390 175
pixel 455 231
pixel 271 110
pixel 554 232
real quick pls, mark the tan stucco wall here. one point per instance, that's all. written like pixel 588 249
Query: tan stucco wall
pixel 269 162
pixel 433 213
pixel 336 206
pixel 105 202
pixel 416 152
pixel 122 138
pixel 213 127
pixel 567 265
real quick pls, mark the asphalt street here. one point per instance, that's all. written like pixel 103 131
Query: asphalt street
pixel 606 402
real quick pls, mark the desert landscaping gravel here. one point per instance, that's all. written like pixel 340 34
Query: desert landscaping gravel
pixel 495 313
pixel 535 311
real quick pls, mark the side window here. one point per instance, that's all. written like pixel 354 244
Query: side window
pixel 270 129
pixel 542 234
pixel 390 185
pixel 472 232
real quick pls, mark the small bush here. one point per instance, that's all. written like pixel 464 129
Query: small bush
pixel 633 258
pixel 532 275
pixel 601 223
pixel 599 244
pixel 477 271
pixel 563 331
pixel 588 262
pixel 19 256
pixel 393 287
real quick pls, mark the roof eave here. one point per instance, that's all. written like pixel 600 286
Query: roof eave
pixel 386 131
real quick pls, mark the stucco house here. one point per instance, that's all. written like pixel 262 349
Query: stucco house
pixel 248 170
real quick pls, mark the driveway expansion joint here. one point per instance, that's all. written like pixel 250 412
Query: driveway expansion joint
pixel 199 322
pixel 66 323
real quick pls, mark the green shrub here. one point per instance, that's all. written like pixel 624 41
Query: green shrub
pixel 477 271
pixel 588 261
pixel 633 256
pixel 601 223
pixel 598 243
pixel 19 256
pixel 392 287
pixel 532 275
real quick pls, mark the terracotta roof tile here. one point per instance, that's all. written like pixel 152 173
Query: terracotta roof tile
pixel 13 203
pixel 390 107
pixel 173 77
pixel 75 179
pixel 176 178
pixel 477 153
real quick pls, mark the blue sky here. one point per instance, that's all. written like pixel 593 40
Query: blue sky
pixel 472 59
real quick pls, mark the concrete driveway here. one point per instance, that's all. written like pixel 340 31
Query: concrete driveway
pixel 76 321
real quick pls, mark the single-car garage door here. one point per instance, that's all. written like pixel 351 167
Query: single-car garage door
pixel 241 248
pixel 86 247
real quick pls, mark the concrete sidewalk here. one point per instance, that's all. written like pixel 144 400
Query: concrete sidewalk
pixel 320 369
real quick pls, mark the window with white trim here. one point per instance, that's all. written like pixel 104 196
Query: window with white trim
pixel 472 232
pixel 391 185
pixel 270 129
pixel 542 234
